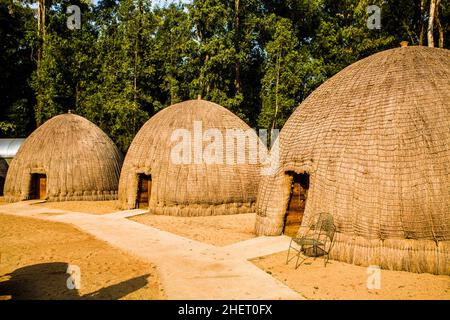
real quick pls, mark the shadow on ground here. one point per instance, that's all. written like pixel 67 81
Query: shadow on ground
pixel 49 281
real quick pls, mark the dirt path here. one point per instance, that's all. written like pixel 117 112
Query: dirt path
pixel 188 269
pixel 35 255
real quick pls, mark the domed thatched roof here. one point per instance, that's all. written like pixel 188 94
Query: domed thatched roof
pixel 79 160
pixel 188 188
pixel 375 140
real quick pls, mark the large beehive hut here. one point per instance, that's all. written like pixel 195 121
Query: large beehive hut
pixel 187 188
pixel 76 159
pixel 375 142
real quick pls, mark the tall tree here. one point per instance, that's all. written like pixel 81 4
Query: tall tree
pixel 118 95
pixel 41 13
pixel 289 73
pixel 259 58
pixel 173 54
pixel 434 6
pixel 229 58
pixel 17 35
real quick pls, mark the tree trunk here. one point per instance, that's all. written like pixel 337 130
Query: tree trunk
pixel 137 53
pixel 421 25
pixel 77 96
pixel 277 85
pixel 41 19
pixel 439 25
pixel 431 19
pixel 40 55
pixel 204 86
pixel 237 38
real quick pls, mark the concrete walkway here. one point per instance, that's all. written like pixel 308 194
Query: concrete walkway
pixel 188 269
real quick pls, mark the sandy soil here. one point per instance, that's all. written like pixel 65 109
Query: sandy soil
pixel 34 256
pixel 2 200
pixel 94 207
pixel 340 280
pixel 216 230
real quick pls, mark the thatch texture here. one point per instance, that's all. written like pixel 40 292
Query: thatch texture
pixel 79 159
pixel 188 189
pixel 375 139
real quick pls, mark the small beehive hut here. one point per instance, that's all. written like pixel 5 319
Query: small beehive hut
pixel 152 178
pixel 67 158
pixel 374 143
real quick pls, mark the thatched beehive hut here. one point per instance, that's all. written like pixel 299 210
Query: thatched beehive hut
pixel 152 178
pixel 67 158
pixel 374 143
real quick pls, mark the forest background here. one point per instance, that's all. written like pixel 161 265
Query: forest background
pixel 132 58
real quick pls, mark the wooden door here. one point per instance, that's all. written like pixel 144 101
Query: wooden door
pixel 144 190
pixel 42 186
pixel 296 205
pixel 38 186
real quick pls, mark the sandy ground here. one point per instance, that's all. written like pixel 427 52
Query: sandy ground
pixel 340 280
pixel 34 256
pixel 215 230
pixel 2 200
pixel 94 207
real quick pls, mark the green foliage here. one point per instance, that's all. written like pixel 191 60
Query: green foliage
pixel 291 72
pixel 16 66
pixel 343 37
pixel 130 59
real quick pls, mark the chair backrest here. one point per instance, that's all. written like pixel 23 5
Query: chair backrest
pixel 323 225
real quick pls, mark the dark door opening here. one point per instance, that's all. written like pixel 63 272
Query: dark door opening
pixel 2 183
pixel 38 187
pixel 3 171
pixel 144 190
pixel 296 204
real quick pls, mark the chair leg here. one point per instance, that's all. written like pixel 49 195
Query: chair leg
pixel 289 250
pixel 287 258
pixel 299 264
pixel 296 262
pixel 326 260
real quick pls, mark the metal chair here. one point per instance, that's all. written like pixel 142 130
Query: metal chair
pixel 317 241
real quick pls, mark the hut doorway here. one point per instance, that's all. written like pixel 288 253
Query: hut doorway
pixel 144 190
pixel 38 187
pixel 296 203
pixel 2 183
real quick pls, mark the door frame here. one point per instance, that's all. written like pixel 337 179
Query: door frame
pixel 138 186
pixel 33 184
pixel 290 176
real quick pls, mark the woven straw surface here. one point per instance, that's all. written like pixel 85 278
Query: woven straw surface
pixel 375 139
pixel 80 161
pixel 188 189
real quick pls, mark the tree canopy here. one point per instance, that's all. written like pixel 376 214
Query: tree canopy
pixel 131 58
